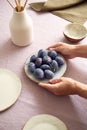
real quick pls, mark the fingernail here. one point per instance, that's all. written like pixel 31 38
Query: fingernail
pixel 50 80
pixel 50 48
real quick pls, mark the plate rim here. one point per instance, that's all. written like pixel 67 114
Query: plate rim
pixel 19 90
pixel 40 117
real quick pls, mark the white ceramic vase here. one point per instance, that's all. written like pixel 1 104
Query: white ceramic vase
pixel 21 28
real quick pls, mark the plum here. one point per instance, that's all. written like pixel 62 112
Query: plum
pixel 52 54
pixel 54 66
pixel 38 73
pixel 45 67
pixel 42 53
pixel 47 60
pixel 31 67
pixel 38 62
pixel 33 58
pixel 59 60
pixel 48 74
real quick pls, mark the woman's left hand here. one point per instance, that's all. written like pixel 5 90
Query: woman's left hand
pixel 60 86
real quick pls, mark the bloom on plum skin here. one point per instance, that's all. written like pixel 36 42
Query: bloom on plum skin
pixel 54 65
pixel 31 67
pixel 47 60
pixel 38 73
pixel 48 74
pixel 42 53
pixel 45 67
pixel 59 60
pixel 52 54
pixel 33 58
pixel 38 62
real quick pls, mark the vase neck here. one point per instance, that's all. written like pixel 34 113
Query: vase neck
pixel 19 14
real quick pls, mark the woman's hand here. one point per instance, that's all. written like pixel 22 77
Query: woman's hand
pixel 63 85
pixel 68 51
pixel 60 86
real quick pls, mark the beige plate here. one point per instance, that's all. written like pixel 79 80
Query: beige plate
pixel 10 88
pixel 44 122
pixel 58 74
pixel 75 32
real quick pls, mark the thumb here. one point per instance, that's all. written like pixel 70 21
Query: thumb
pixel 46 85
pixel 54 81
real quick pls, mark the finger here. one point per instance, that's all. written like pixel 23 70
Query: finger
pixel 54 81
pixel 53 46
pixel 46 85
pixel 56 48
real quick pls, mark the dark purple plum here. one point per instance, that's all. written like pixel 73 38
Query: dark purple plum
pixel 54 66
pixel 38 73
pixel 33 58
pixel 31 67
pixel 48 74
pixel 45 67
pixel 52 54
pixel 42 53
pixel 38 62
pixel 47 60
pixel 60 60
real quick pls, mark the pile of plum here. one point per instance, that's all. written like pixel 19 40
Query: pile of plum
pixel 45 64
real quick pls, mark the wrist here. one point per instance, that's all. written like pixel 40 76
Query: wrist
pixel 81 89
pixel 76 50
pixel 80 51
pixel 73 50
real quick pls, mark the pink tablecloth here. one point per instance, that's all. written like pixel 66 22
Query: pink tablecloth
pixel 48 29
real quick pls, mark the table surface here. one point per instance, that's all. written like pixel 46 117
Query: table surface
pixel 48 29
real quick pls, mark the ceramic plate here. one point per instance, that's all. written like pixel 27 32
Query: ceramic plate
pixel 58 74
pixel 10 88
pixel 44 122
pixel 75 32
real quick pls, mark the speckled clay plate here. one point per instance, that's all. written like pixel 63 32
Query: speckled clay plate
pixel 10 88
pixel 58 74
pixel 45 122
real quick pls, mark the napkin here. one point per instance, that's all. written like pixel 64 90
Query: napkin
pixel 71 10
